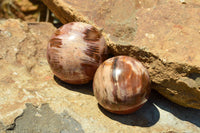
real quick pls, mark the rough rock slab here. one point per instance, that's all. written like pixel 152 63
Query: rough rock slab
pixel 26 78
pixel 44 120
pixel 163 34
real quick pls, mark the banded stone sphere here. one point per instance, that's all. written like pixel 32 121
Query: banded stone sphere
pixel 121 85
pixel 75 51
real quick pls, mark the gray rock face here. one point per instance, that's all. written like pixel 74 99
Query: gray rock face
pixel 53 105
pixel 44 120
pixel 163 34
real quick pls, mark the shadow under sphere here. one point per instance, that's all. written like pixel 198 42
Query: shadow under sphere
pixel 185 114
pixel 146 116
pixel 83 88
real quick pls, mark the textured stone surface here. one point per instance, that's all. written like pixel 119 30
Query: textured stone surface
pixel 22 64
pixel 26 78
pixel 24 9
pixel 163 34
pixel 43 120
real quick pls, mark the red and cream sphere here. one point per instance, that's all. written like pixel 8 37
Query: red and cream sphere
pixel 75 51
pixel 121 85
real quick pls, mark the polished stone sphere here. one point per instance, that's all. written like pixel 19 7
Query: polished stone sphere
pixel 75 51
pixel 121 84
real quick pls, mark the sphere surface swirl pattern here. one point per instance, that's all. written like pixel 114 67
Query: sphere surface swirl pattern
pixel 121 85
pixel 75 51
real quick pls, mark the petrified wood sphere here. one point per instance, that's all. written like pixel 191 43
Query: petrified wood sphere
pixel 121 85
pixel 75 51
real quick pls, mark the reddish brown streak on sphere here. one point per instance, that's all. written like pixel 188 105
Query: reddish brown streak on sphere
pixel 121 85
pixel 75 51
